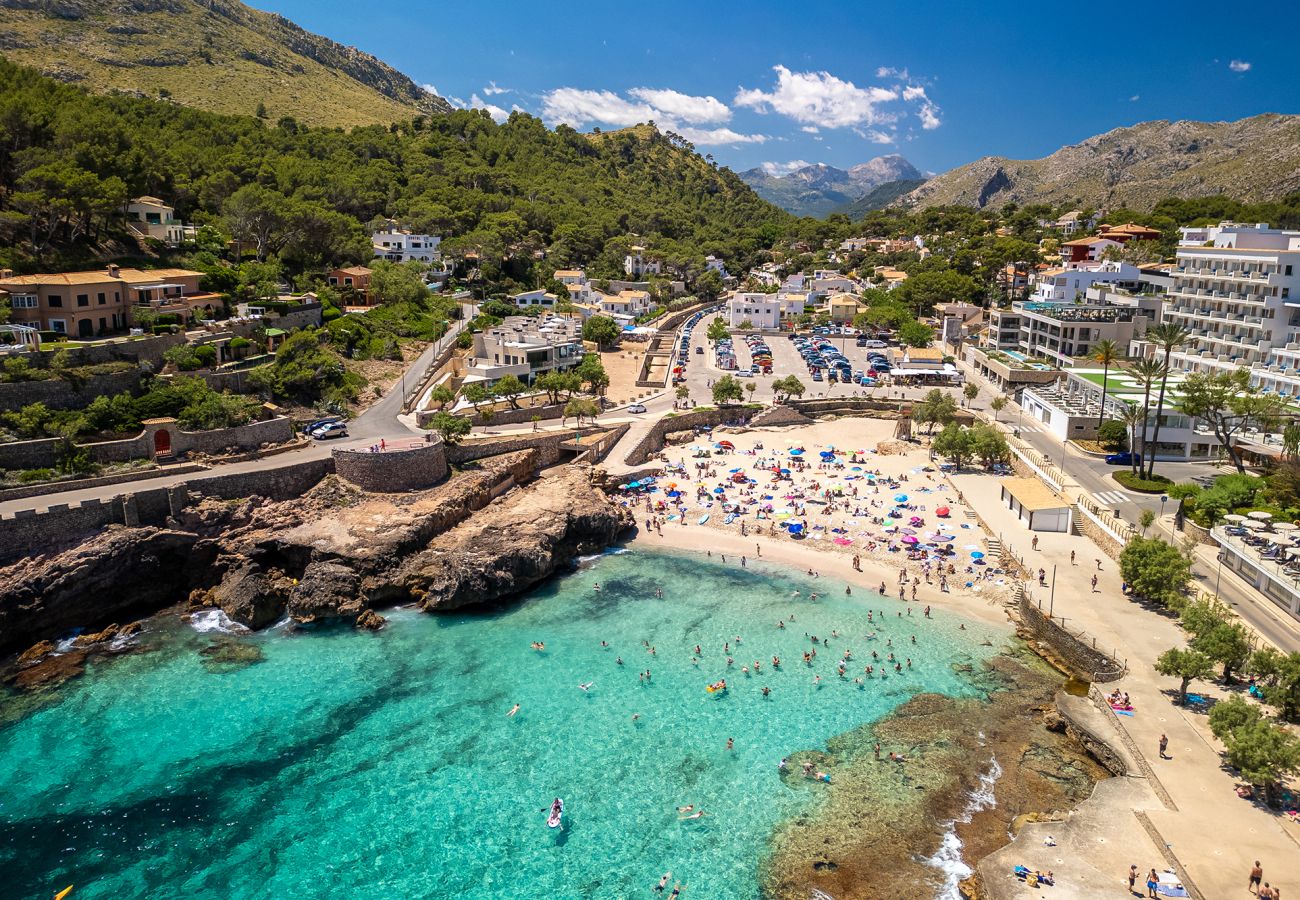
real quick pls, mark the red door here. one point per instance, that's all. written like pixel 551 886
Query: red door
pixel 162 443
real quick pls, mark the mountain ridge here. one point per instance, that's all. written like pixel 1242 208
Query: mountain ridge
pixel 1252 159
pixel 819 189
pixel 217 55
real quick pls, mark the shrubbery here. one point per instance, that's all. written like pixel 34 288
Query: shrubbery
pixel 1156 484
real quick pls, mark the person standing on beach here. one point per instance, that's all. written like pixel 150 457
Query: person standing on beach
pixel 1256 875
pixel 1164 745
pixel 1152 880
pixel 1132 879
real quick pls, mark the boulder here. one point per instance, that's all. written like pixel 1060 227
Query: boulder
pixel 327 589
pixel 371 621
pixel 35 653
pixel 251 596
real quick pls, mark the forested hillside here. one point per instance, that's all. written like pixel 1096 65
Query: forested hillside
pixel 518 194
pixel 218 55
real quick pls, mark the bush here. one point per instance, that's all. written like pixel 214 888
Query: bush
pixel 1114 434
pixel 35 476
pixel 1156 484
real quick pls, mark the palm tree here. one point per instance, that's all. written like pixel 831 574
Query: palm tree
pixel 1107 353
pixel 1146 372
pixel 1167 337
pixel 1131 415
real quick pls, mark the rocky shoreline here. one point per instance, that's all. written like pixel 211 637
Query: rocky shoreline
pixel 874 837
pixel 336 553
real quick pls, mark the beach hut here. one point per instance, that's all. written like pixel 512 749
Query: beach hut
pixel 1037 505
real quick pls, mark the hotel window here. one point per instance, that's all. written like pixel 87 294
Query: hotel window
pixel 83 299
pixel 55 301
pixel 102 298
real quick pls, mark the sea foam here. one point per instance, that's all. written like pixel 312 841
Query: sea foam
pixel 215 620
pixel 948 859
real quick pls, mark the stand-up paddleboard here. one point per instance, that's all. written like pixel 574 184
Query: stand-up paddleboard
pixel 557 811
pixel 704 518
pixel 63 893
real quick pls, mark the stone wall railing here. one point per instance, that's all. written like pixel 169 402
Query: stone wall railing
pixel 601 445
pixel 653 442
pixel 394 470
pixel 1077 649
pixel 547 444
pixel 58 393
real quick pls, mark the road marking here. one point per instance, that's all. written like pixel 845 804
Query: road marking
pixel 1112 497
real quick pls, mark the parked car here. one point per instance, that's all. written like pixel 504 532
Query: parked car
pixel 320 423
pixel 1124 459
pixel 636 408
pixel 699 350
pixel 879 345
pixel 332 430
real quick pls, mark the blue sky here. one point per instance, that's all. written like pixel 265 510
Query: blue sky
pixel 775 83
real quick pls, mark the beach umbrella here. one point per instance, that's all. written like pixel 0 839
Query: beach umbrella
pixel 1284 526
pixel 901 498
pixel 910 539
pixel 795 527
pixel 1254 524
pixel 887 522
pixel 1234 517
pixel 977 554
pixel 1260 515
pixel 785 471
pixel 674 493
pixel 825 454
pixel 856 469
pixel 726 445
pixel 719 490
pixel 942 511
pixel 1293 552
pixel 733 471
pixel 796 452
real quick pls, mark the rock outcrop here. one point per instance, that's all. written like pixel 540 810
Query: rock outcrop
pixel 122 573
pixel 335 553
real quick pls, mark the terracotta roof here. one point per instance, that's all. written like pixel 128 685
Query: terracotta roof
pixel 136 276
pixel 568 273
pixel 354 270
pixel 1083 242
pixel 99 276
pixel 924 353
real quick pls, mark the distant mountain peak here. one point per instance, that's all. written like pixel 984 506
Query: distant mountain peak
pixel 817 189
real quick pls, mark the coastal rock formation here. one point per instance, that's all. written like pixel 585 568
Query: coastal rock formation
pixel 514 545
pixel 334 553
pixel 120 573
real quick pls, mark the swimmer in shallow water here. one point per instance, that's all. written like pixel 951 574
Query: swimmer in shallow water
pixel 663 883
pixel 514 709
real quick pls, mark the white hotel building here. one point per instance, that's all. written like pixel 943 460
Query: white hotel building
pixel 1237 288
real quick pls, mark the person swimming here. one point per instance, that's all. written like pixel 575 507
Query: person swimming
pixel 663 882
pixel 514 709
pixel 586 686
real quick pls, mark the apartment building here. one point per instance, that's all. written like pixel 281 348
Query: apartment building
pixel 1237 289
pixel 525 346
pixel 761 311
pixel 91 304
pixel 629 304
pixel 398 245
pixel 1070 283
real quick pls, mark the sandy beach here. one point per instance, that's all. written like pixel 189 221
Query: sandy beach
pixel 851 519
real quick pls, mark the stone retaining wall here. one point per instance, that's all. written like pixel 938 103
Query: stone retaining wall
pixel 143 349
pixel 598 448
pixel 58 393
pixel 393 470
pixel 1087 661
pixel 653 442
pixel 547 445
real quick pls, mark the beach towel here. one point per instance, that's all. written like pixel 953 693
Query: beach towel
pixel 1171 890
pixel 1124 712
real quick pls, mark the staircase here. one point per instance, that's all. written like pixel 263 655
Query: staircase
pixel 1075 516
pixel 995 548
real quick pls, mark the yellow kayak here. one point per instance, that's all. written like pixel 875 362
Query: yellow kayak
pixel 63 893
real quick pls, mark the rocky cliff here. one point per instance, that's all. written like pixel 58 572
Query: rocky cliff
pixel 335 553
pixel 1252 160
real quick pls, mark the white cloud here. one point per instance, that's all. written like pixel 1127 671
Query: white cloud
pixel 577 107
pixel 929 114
pixel 809 129
pixel 777 169
pixel 671 111
pixel 493 89
pixel 819 98
pixel 876 136
pixel 496 112
pixel 914 92
pixel 683 107
pixel 714 136
pixel 1238 65
pixel 1135 98
pixel 888 72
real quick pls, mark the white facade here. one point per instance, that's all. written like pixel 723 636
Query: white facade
pixel 760 310
pixel 793 303
pixel 625 303
pixel 1240 297
pixel 525 347
pixel 636 264
pixel 538 297
pixel 154 218
pixel 396 245
pixel 1071 284
pixel 712 262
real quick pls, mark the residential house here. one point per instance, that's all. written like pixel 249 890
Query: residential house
pixel 888 276
pixel 538 297
pixel 956 322
pixel 762 311
pixel 1088 249
pixel 353 281
pixel 1073 221
pixel 716 265
pixel 91 304
pixel 154 218
pixel 843 307
pixel 1130 232
pixel 636 263
pixel 793 303
pixel 629 304
pixel 1071 283
pixel 400 246
pixel 575 281
pixel 526 347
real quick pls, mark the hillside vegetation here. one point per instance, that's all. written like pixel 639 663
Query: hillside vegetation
pixel 516 193
pixel 218 55
pixel 1252 160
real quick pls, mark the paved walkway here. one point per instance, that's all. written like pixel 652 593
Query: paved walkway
pixel 1213 833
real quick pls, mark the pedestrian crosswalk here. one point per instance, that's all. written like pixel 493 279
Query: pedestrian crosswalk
pixel 1111 498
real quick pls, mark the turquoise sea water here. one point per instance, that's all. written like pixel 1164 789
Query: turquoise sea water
pixel 383 765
